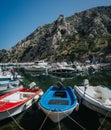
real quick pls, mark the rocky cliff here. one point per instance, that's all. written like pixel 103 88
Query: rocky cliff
pixel 85 34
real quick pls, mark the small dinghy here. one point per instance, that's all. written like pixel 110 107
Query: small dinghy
pixel 19 100
pixel 96 98
pixel 58 102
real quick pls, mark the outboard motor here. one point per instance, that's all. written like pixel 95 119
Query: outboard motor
pixel 59 85
pixel 86 83
pixel 32 86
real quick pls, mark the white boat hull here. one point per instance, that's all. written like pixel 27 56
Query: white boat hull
pixel 93 103
pixel 57 116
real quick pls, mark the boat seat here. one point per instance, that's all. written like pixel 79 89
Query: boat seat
pixel 61 94
pixel 25 95
pixel 91 92
pixel 58 102
pixel 104 94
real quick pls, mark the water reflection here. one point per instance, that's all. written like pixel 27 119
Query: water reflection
pixel 83 119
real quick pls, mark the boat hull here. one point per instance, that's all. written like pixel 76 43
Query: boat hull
pixel 57 116
pixel 62 72
pixel 93 104
pixel 9 107
pixel 8 90
pixel 58 103
pixel 8 86
pixel 14 111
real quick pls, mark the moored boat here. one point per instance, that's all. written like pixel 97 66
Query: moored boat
pixel 18 100
pixel 9 80
pixel 58 102
pixel 96 98
pixel 38 66
pixel 7 87
pixel 61 71
pixel 9 75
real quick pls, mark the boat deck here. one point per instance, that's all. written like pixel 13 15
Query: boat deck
pixel 15 97
pixel 58 102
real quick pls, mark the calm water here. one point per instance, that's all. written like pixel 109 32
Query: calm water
pixel 33 118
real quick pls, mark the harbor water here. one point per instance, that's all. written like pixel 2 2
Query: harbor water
pixel 83 119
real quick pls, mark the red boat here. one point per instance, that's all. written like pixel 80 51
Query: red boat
pixel 17 101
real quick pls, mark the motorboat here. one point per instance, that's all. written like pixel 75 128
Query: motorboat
pixel 18 100
pixel 10 74
pixel 59 69
pixel 9 79
pixel 38 66
pixel 96 98
pixel 58 102
pixel 7 87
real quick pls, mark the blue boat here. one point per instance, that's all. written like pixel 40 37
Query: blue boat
pixel 58 102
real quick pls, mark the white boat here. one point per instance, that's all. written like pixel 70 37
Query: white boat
pixel 35 68
pixel 10 81
pixel 9 78
pixel 9 75
pixel 7 87
pixel 38 66
pixel 58 102
pixel 96 98
pixel 60 69
pixel 18 101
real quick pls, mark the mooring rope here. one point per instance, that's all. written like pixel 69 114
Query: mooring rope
pixel 13 119
pixel 59 122
pixel 103 121
pixel 44 121
pixel 75 121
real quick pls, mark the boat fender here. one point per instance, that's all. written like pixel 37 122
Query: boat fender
pixel 41 93
pixel 11 77
pixel 28 103
pixel 36 97
pixel 77 107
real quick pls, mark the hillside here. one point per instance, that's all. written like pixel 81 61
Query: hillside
pixel 85 34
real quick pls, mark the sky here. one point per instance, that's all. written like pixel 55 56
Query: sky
pixel 19 18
